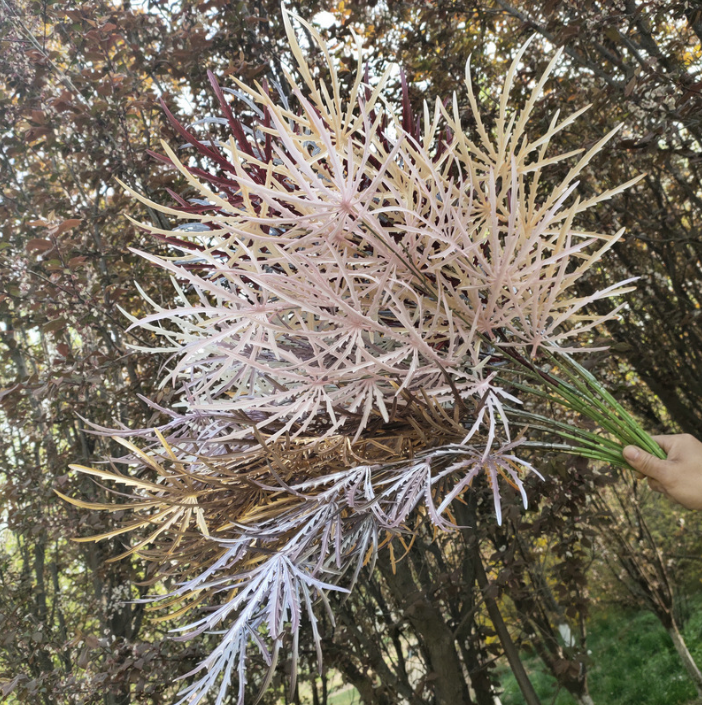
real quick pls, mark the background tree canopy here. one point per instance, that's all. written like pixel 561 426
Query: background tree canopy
pixel 79 92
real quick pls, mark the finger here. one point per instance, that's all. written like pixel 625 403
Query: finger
pixel 667 441
pixel 655 485
pixel 646 463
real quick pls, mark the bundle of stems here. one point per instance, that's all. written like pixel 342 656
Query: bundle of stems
pixel 358 294
pixel 578 390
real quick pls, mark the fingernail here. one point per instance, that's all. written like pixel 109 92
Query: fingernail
pixel 631 453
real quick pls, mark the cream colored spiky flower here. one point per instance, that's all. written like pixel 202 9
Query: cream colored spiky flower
pixel 347 292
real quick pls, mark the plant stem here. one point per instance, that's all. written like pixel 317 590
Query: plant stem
pixel 511 652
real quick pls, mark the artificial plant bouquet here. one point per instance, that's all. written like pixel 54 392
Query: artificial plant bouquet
pixel 362 299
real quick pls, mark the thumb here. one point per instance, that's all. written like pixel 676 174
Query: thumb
pixel 645 463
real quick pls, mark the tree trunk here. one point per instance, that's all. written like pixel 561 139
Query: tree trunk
pixel 511 652
pixel 467 517
pixel 449 682
pixel 686 657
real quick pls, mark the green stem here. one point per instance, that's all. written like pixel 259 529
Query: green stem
pixel 608 422
pixel 609 458
pixel 643 438
pixel 581 433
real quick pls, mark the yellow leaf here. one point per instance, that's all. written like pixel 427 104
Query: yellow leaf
pixel 116 477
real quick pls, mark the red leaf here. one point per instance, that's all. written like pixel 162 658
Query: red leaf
pixel 234 124
pixel 67 225
pixel 54 325
pixel 39 245
pixel 206 151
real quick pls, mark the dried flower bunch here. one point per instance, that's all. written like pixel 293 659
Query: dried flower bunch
pixel 350 284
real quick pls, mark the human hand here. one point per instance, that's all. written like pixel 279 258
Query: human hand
pixel 680 476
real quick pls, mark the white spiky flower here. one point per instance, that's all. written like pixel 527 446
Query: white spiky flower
pixel 345 290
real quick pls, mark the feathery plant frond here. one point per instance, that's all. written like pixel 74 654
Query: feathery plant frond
pixel 360 296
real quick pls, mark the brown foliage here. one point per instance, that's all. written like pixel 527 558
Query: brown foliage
pixel 79 90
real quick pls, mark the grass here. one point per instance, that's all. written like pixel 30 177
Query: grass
pixel 633 663
pixel 349 696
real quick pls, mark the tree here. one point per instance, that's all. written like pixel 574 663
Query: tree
pixel 79 89
pixel 79 99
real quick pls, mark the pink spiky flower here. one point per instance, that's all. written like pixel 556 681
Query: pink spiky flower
pixel 347 287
